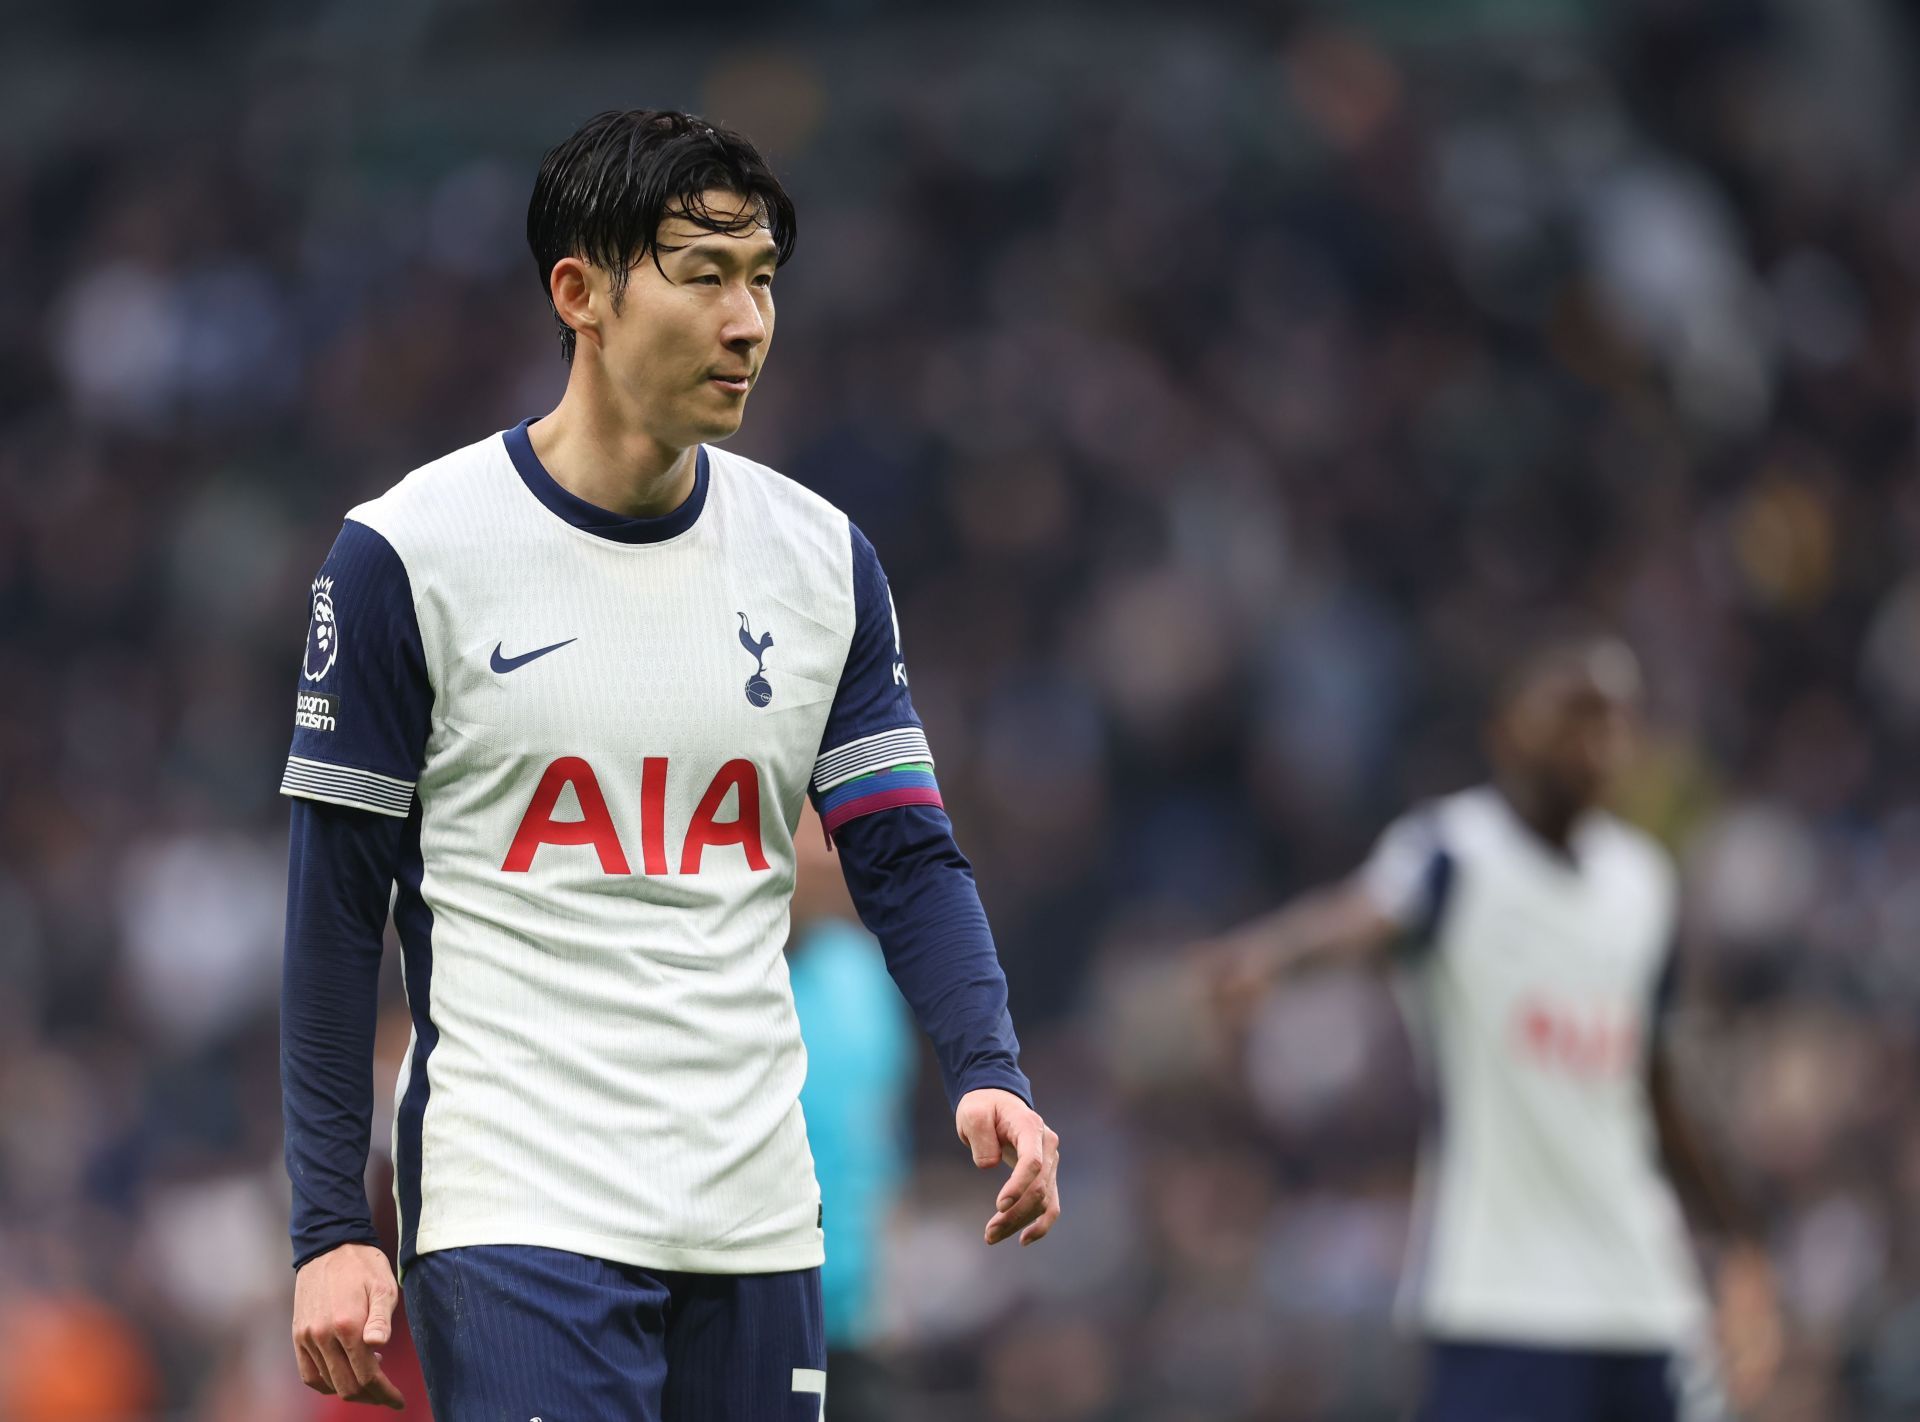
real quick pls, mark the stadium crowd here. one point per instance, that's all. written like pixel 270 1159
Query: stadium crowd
pixel 1225 403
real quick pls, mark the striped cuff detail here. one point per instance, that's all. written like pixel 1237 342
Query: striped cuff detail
pixel 903 785
pixel 343 785
pixel 905 745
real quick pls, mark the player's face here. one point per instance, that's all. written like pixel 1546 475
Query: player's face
pixel 692 333
pixel 1570 730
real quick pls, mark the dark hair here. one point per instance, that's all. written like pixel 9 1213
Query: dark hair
pixel 1555 643
pixel 603 193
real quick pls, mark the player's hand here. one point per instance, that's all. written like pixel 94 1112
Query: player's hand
pixel 1237 973
pixel 998 1126
pixel 343 1304
pixel 1751 1337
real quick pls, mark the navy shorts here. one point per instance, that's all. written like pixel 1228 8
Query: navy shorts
pixel 1499 1382
pixel 511 1333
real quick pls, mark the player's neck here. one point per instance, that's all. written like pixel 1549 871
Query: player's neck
pixel 594 454
pixel 1550 820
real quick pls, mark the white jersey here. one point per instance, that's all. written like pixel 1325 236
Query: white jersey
pixel 601 731
pixel 1544 1214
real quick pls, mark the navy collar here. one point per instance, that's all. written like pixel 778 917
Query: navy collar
pixel 603 523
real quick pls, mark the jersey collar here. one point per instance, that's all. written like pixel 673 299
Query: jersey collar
pixel 591 518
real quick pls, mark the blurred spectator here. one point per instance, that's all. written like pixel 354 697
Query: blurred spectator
pixel 72 1359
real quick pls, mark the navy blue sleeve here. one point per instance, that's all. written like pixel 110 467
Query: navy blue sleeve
pixel 873 753
pixel 873 693
pixel 340 871
pixel 1422 935
pixel 1409 879
pixel 878 800
pixel 363 704
pixel 1666 992
pixel 361 716
pixel 914 891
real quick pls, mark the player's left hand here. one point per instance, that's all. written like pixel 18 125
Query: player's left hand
pixel 1751 1338
pixel 997 1127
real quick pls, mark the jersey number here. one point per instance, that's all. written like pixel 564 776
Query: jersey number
pixel 812 1380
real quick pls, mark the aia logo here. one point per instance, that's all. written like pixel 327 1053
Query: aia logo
pixel 737 781
pixel 1590 1040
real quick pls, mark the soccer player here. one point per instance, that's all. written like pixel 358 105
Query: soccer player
pixel 565 691
pixel 1550 1268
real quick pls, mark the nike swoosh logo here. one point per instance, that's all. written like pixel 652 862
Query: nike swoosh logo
pixel 507 664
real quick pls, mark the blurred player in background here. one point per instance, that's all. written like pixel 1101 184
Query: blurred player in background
pixel 860 1071
pixel 1551 1270
pixel 568 689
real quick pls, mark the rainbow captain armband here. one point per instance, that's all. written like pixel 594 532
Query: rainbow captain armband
pixel 876 772
pixel 879 790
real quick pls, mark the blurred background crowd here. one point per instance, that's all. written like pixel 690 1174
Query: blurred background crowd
pixel 1226 392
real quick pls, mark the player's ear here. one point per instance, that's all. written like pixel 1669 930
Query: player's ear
pixel 571 286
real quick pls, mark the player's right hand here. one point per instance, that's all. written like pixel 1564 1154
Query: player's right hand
pixel 1237 973
pixel 998 1127
pixel 343 1304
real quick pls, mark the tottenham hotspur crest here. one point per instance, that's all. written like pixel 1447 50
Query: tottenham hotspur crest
pixel 323 633
pixel 758 690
